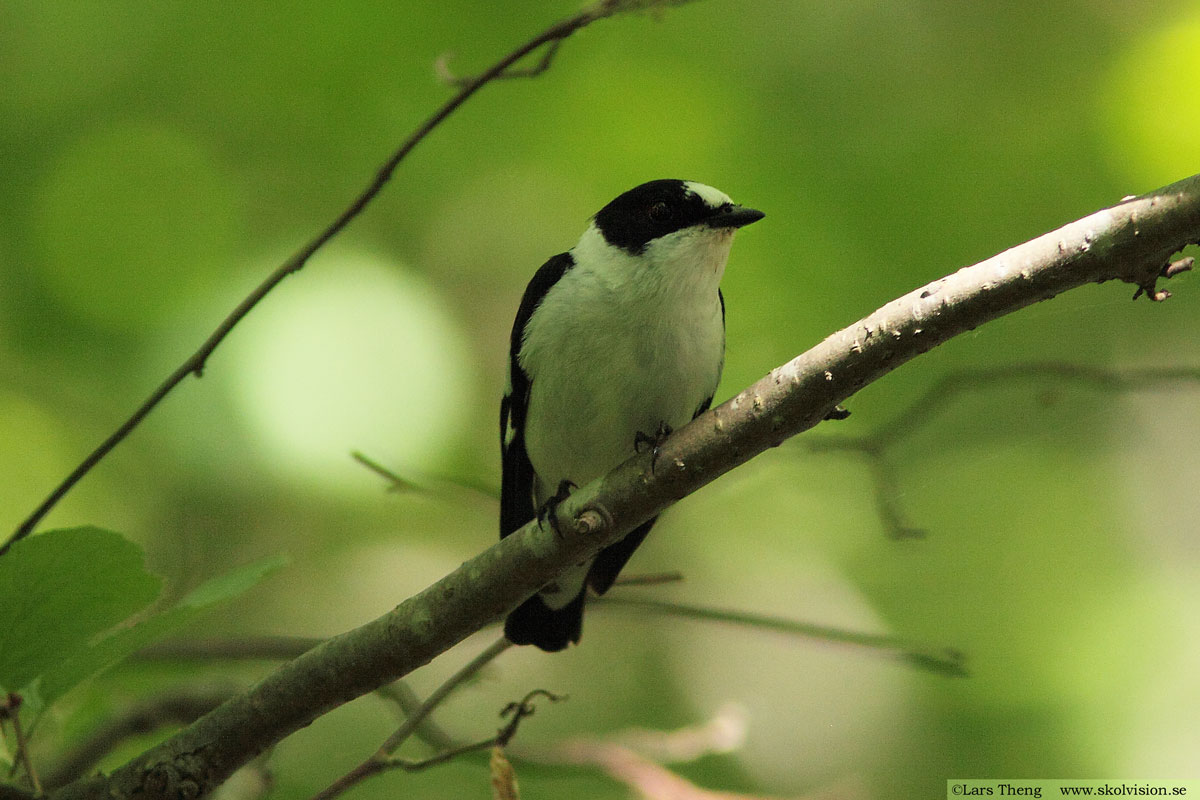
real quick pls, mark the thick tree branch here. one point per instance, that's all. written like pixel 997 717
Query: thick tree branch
pixel 1132 241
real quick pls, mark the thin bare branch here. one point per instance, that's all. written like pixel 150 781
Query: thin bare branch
pixel 10 711
pixel 944 661
pixel 395 482
pixel 517 712
pixel 408 703
pixel 876 446
pixel 194 364
pixel 382 759
pixel 401 485
pixel 469 671
pixel 649 579
pixel 441 67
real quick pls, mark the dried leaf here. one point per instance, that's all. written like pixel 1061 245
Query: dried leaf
pixel 504 779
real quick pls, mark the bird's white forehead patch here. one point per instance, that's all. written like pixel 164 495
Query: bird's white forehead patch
pixel 713 198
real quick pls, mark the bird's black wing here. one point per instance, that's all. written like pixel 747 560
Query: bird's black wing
pixel 532 622
pixel 516 483
pixel 516 473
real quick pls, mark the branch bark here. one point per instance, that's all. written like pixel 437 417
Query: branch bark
pixel 1132 242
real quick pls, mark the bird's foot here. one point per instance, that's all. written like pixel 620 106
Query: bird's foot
pixel 643 441
pixel 549 509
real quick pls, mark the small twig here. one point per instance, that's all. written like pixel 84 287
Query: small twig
pixel 11 710
pixel 181 706
pixel 887 492
pixel 399 484
pixel 395 482
pixel 919 414
pixel 442 692
pixel 946 661
pixel 934 401
pixel 382 758
pixel 441 68
pixel 405 699
pixel 885 483
pixel 649 579
pixel 519 711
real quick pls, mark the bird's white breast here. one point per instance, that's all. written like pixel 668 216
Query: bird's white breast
pixel 620 345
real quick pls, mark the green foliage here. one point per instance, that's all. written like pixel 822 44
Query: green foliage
pixel 66 598
pixel 112 649
pixel 60 589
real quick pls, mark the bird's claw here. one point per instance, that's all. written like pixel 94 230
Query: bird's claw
pixel 643 441
pixel 548 512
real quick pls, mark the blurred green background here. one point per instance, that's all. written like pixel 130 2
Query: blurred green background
pixel 157 160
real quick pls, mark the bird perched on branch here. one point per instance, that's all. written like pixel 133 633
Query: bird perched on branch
pixel 616 342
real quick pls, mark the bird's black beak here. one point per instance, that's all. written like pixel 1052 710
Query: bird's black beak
pixel 731 216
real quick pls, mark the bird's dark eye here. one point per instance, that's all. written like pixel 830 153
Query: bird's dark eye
pixel 660 212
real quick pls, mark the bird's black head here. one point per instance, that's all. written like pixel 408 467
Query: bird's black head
pixel 660 207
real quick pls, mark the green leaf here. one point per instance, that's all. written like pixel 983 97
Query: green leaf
pixel 61 588
pixel 231 584
pixel 114 649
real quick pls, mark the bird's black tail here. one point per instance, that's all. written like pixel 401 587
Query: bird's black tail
pixel 534 622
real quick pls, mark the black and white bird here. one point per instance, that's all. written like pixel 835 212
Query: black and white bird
pixel 617 341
